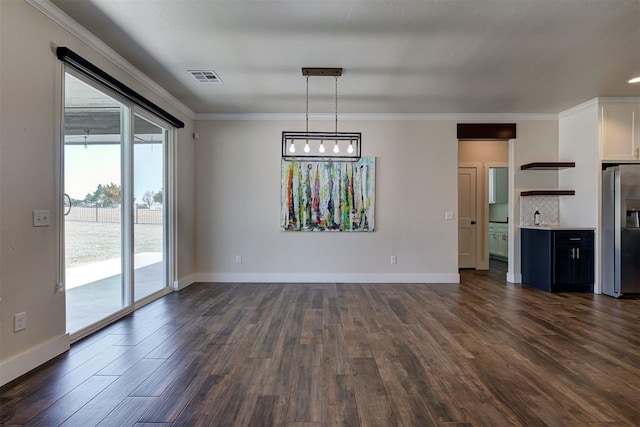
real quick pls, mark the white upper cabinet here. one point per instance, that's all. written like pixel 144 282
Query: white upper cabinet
pixel 620 131
pixel 498 185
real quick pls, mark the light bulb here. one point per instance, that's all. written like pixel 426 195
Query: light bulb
pixel 292 148
pixel 306 147
pixel 336 149
pixel 350 149
pixel 321 149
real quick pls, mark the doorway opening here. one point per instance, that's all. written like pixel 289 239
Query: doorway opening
pixel 483 208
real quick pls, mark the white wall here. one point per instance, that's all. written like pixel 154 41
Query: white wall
pixel 30 102
pixel 579 142
pixel 238 203
pixel 537 141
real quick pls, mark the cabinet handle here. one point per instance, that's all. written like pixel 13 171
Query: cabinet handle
pixel 578 253
pixel 573 253
pixel 575 238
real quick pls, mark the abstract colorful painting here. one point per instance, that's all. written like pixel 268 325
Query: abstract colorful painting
pixel 328 196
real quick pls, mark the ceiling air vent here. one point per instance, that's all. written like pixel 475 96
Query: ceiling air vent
pixel 205 76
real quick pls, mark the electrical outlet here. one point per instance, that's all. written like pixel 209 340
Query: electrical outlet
pixel 19 321
pixel 238 259
pixel 394 259
pixel 59 288
pixel 41 218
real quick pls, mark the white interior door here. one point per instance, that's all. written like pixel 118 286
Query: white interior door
pixel 467 217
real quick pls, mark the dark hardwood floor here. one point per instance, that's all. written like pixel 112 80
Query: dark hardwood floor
pixel 482 353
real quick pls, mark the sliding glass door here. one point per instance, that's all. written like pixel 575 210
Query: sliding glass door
pixel 93 226
pixel 149 213
pixel 115 216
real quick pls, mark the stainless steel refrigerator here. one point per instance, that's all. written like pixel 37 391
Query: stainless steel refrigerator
pixel 621 230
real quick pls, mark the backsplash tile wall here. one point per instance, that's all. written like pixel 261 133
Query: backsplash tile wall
pixel 548 206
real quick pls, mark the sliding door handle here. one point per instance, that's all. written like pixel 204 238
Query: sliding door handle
pixel 67 209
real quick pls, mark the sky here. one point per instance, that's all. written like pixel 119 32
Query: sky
pixel 85 168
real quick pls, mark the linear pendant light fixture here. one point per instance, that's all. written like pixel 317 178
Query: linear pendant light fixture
pixel 321 146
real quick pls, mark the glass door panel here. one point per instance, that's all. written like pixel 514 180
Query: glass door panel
pixel 93 221
pixel 149 225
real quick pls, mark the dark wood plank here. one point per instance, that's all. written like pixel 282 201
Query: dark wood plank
pixel 304 399
pixel 548 165
pixel 68 404
pixel 529 193
pixel 486 130
pixel 100 406
pixel 374 407
pixel 127 412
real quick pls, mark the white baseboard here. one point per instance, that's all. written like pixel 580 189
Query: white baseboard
pixel 514 278
pixel 31 359
pixel 326 278
pixel 183 282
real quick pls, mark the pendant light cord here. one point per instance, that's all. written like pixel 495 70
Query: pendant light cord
pixel 336 104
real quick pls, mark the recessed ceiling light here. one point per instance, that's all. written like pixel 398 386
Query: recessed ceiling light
pixel 635 80
pixel 205 76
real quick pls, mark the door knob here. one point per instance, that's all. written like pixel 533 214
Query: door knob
pixel 473 222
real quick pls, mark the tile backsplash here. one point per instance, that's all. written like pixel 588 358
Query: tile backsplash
pixel 548 206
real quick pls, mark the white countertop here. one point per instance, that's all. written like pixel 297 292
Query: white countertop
pixel 555 227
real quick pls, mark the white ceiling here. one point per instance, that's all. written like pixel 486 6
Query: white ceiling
pixel 399 56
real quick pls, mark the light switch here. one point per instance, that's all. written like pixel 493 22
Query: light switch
pixel 41 218
pixel 448 215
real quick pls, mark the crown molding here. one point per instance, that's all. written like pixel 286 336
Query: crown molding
pixel 460 117
pixel 65 21
pixel 580 107
pixel 595 102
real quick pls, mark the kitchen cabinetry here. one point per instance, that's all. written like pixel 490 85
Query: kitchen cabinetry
pixel 557 260
pixel 498 240
pixel 498 185
pixel 620 124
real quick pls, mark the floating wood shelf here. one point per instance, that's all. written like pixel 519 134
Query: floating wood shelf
pixel 548 193
pixel 548 165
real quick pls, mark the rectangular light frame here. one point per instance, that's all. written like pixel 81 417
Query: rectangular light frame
pixel 329 139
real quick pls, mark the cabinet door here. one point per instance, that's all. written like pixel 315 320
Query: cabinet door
pixel 493 243
pixel 583 265
pixel 498 185
pixel 503 244
pixel 502 185
pixel 620 132
pixel 563 264
pixel 492 186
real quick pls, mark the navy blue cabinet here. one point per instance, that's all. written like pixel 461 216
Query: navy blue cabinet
pixel 557 260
